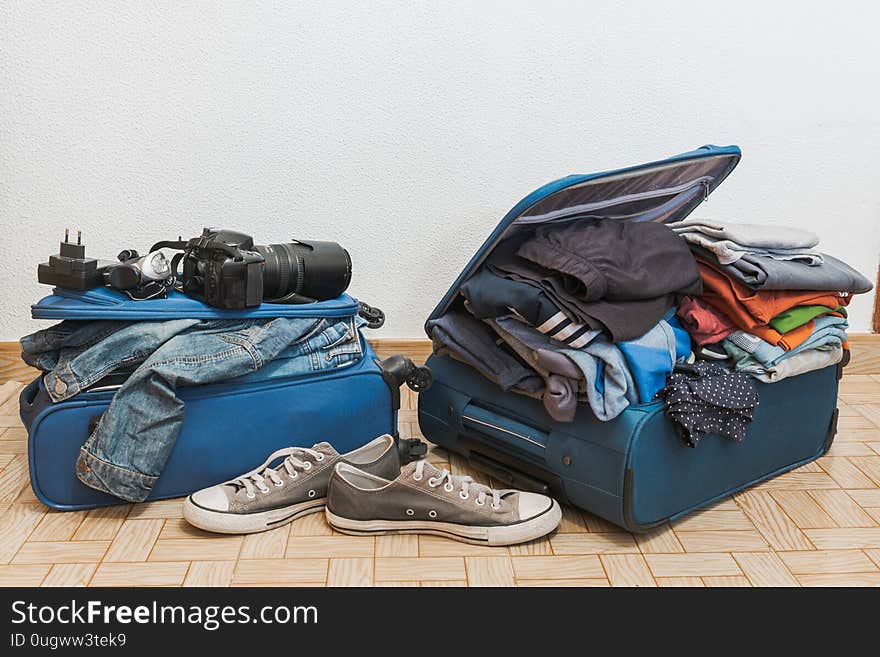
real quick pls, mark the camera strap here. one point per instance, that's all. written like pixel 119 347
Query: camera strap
pixel 177 245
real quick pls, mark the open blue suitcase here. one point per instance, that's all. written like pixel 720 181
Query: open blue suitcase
pixel 635 470
pixel 229 427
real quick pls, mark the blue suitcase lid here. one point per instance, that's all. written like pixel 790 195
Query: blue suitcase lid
pixel 104 303
pixel 674 187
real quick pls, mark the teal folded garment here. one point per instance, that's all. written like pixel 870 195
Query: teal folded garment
pixel 747 349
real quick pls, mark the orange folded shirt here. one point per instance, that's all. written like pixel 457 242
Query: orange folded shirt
pixel 752 310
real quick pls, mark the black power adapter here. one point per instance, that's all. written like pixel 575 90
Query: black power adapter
pixel 70 268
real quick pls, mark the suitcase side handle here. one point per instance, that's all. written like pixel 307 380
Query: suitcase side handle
pixel 501 428
pixel 507 475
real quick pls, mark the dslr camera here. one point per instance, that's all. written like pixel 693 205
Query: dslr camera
pixel 227 270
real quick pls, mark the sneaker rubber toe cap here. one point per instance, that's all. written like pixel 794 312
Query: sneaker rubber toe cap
pixel 213 499
pixel 533 504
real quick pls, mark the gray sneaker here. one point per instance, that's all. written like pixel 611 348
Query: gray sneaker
pixel 425 500
pixel 296 485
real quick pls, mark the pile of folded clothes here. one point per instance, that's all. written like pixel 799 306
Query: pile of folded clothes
pixel 582 311
pixel 772 305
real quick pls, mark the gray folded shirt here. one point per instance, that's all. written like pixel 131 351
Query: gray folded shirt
pixel 762 273
pixel 730 242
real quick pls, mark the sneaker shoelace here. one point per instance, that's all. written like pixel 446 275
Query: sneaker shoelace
pixel 294 462
pixel 466 485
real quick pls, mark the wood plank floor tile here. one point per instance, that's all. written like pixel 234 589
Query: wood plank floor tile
pixel 840 579
pixel 866 498
pixel 159 509
pixel 9 390
pixel 845 538
pixel 437 546
pixel 26 495
pixel 727 581
pixel 438 583
pixel 844 471
pixel 594 543
pixel 585 566
pixel 322 584
pixel 627 570
pixel 422 568
pixel 859 383
pixel 567 583
pixel 210 573
pixel 572 521
pixel 265 545
pixel 770 520
pixel 798 481
pixel 280 572
pixel 697 564
pixel 16 524
pixel 314 524
pixel 61 552
pixel 713 519
pixel 180 528
pixel 803 509
pixel 827 561
pixel 722 541
pixel 870 465
pixel 70 574
pixel 871 413
pixel 489 571
pixel 854 448
pixel 220 548
pixel 874 555
pixel 23 575
pixel 855 435
pixel 397 545
pixel 58 526
pixel 329 547
pixel 13 478
pixel 350 572
pixel 538 548
pixel 168 573
pixel 842 509
pixel 764 569
pixel 598 525
pixel 854 418
pixel 15 435
pixel 684 582
pixel 658 541
pixel 135 540
pixel 102 524
pixel 413 584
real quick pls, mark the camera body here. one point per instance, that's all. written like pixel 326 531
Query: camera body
pixel 223 267
pixel 228 270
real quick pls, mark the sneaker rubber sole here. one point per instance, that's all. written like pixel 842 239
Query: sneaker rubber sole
pixel 520 532
pixel 225 522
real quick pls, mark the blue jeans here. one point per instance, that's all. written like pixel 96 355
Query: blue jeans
pixel 127 451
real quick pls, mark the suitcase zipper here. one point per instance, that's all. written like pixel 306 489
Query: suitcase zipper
pixel 704 181
pixel 502 429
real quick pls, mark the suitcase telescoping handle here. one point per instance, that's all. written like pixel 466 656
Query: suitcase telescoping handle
pixel 508 431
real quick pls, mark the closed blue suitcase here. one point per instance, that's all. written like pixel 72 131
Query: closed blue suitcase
pixel 635 470
pixel 229 427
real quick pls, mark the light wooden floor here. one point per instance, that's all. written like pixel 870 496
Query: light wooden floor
pixel 816 526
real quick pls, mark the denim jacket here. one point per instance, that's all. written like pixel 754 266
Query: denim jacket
pixel 127 451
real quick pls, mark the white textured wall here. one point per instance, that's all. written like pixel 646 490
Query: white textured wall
pixel 405 130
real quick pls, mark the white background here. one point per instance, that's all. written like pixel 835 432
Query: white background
pixel 405 130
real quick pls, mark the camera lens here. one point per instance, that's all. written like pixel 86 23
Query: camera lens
pixel 319 270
